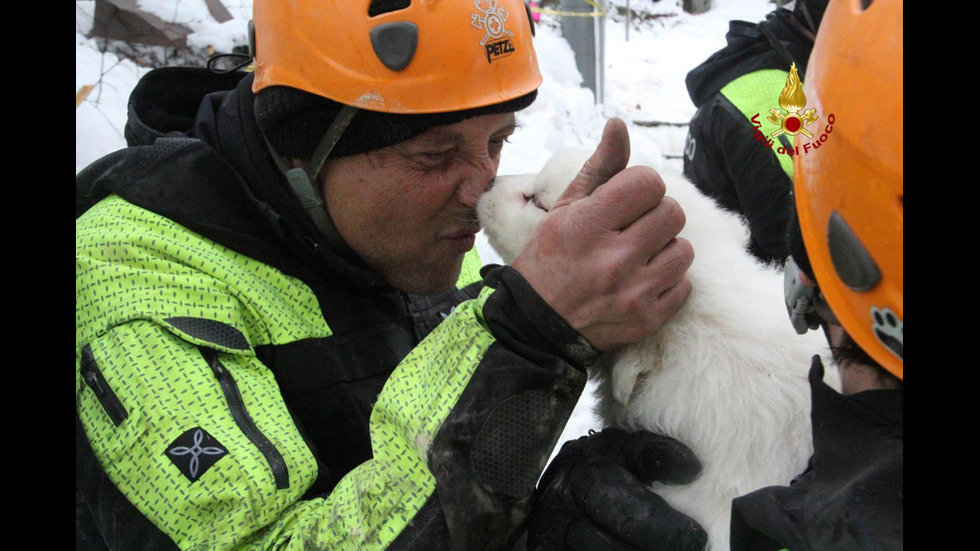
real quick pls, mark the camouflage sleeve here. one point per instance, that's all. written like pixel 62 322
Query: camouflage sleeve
pixel 499 390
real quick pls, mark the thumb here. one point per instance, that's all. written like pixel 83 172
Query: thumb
pixel 610 157
pixel 653 457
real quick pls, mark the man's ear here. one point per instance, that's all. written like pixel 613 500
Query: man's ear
pixel 807 280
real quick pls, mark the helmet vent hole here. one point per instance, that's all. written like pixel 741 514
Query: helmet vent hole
pixel 851 260
pixel 379 7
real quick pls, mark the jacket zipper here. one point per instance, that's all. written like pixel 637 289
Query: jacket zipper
pixel 244 421
pixel 103 392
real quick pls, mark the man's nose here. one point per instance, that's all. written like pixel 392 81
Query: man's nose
pixel 477 182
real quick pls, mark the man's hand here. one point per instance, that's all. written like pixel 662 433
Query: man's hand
pixel 594 496
pixel 607 257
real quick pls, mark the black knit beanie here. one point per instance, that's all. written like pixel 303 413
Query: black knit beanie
pixel 295 121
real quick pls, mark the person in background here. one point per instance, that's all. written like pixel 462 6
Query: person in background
pixel 845 276
pixel 722 155
pixel 283 336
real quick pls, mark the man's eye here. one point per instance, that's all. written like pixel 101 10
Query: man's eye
pixel 433 158
pixel 497 143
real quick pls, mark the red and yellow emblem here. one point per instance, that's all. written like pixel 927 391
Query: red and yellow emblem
pixel 792 99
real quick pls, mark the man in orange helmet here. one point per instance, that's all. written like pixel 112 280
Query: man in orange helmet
pixel 283 338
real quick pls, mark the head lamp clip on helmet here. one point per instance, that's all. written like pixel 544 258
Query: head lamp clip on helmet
pixel 804 303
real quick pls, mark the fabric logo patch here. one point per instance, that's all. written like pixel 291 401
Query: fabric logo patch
pixel 194 452
pixel 491 20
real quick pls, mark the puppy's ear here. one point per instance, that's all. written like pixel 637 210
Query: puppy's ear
pixel 624 377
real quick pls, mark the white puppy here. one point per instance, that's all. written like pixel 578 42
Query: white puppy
pixel 727 375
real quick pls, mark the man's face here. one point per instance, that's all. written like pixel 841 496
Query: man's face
pixel 409 210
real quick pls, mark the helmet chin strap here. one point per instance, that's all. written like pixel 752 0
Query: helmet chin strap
pixel 303 180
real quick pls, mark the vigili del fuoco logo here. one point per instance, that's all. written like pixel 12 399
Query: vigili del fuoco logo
pixel 793 118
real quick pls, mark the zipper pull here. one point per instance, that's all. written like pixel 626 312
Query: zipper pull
pixel 93 382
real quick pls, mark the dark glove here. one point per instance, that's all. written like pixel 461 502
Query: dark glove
pixel 594 495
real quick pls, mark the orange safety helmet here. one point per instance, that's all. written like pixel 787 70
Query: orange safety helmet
pixel 849 180
pixel 419 56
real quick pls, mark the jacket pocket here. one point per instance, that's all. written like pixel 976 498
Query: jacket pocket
pixel 240 414
pixel 94 379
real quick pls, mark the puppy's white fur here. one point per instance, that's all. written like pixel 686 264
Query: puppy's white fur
pixel 727 375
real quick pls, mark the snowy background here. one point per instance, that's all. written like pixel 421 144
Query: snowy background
pixel 644 82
